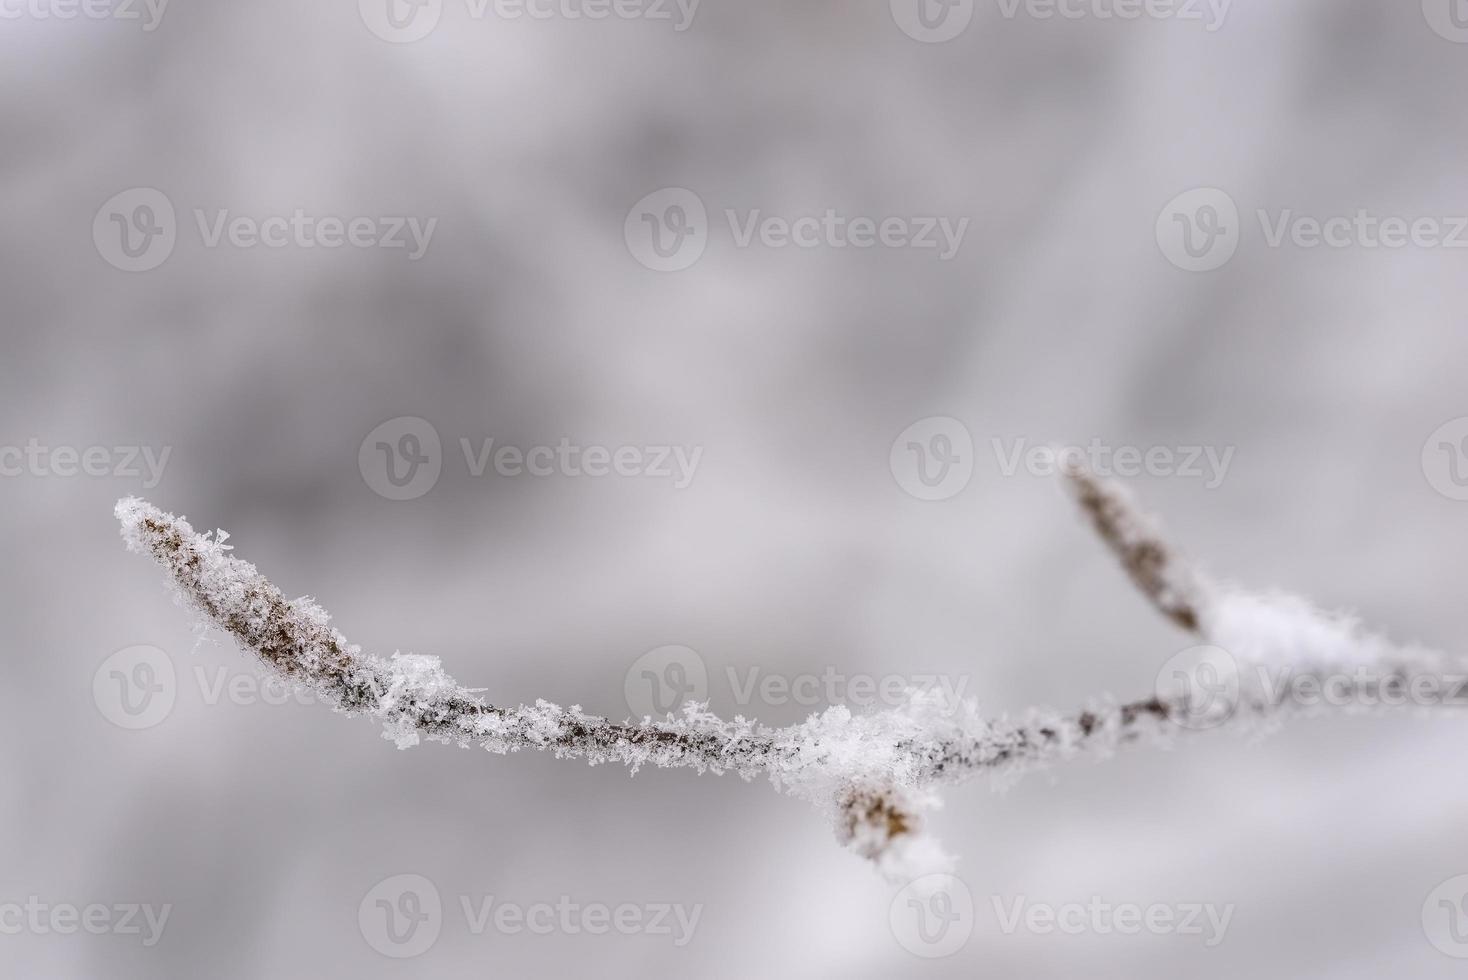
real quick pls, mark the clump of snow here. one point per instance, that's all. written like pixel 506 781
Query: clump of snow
pixel 1277 628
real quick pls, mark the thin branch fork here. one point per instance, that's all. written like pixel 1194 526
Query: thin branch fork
pixel 874 773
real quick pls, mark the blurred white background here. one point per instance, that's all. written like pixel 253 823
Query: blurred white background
pixel 530 319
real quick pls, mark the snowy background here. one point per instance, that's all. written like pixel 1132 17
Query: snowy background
pixel 796 549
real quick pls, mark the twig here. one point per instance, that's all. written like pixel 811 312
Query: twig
pixel 874 773
pixel 1153 565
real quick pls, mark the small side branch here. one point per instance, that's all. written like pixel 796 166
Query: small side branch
pixel 1153 565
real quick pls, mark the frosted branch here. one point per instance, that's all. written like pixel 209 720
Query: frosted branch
pixel 874 773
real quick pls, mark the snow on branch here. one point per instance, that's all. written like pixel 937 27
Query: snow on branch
pixel 875 774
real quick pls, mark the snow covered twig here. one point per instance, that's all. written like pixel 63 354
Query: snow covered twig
pixel 875 773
